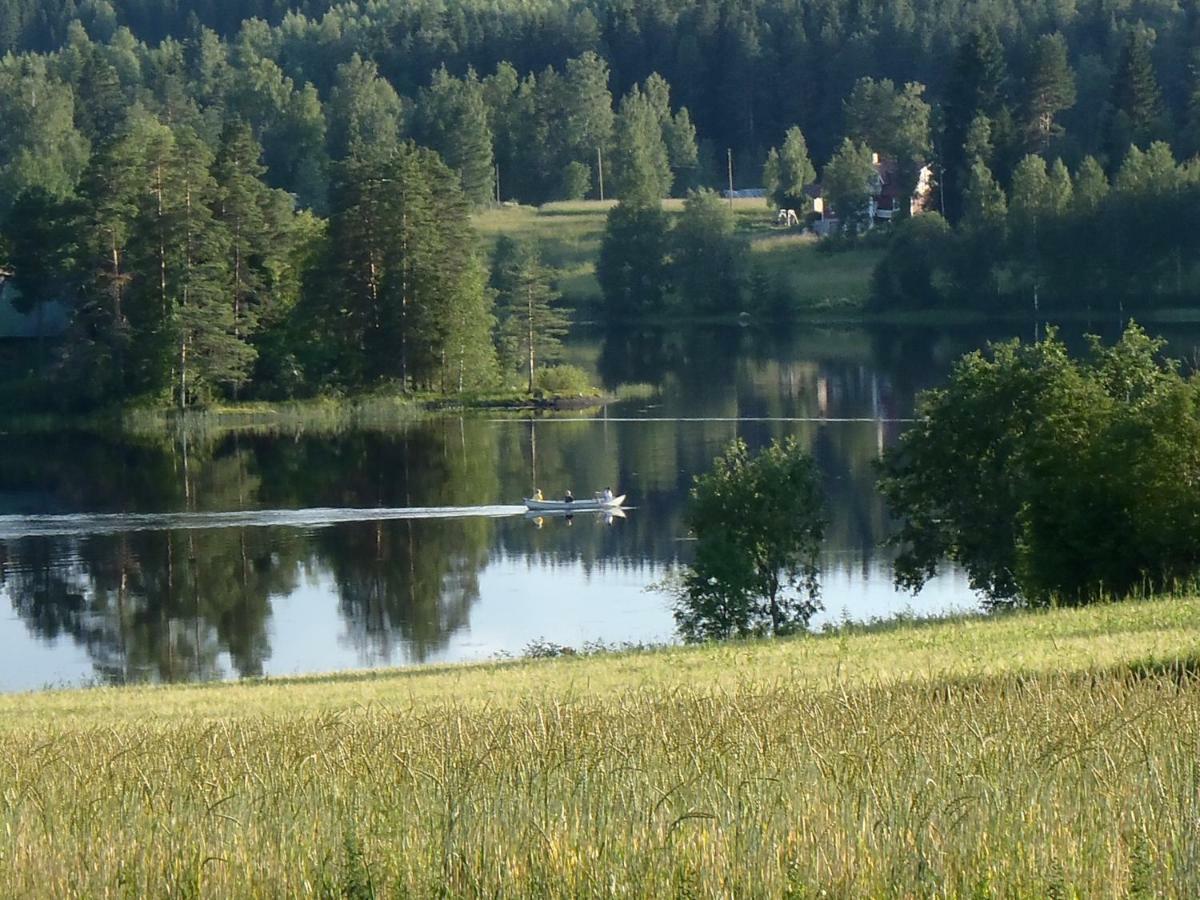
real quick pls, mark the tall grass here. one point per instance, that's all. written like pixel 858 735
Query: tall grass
pixel 803 768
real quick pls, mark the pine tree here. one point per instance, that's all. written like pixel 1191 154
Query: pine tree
pixel 242 209
pixel 452 118
pixel 409 303
pixel 1049 89
pixel 214 353
pixel 531 322
pixel 99 339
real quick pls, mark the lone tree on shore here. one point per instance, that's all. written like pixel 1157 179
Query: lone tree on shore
pixel 758 522
pixel 531 324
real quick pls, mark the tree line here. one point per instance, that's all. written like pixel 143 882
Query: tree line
pixel 541 85
pixel 746 70
pixel 1055 239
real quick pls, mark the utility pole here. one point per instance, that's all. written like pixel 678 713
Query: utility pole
pixel 497 184
pixel 600 173
pixel 729 160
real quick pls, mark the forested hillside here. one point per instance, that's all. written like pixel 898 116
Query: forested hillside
pixel 746 71
pixel 270 205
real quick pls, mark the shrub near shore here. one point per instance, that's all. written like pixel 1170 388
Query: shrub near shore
pixel 1032 755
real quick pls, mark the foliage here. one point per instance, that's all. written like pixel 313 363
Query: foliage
pixel 894 122
pixel 409 302
pixel 758 522
pixel 913 272
pixel 1052 480
pixel 632 267
pixel 1071 242
pixel 531 324
pixel 708 261
pixel 642 158
pixel 1049 90
pixel 563 380
pixel 788 171
pixel 847 182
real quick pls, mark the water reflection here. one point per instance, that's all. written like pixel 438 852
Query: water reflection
pixel 253 596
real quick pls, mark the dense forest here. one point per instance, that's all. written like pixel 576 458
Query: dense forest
pixel 277 202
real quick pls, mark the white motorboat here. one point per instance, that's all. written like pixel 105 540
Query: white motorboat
pixel 580 505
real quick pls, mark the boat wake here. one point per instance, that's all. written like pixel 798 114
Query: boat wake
pixel 319 517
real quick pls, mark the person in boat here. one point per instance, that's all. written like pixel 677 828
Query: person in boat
pixel 607 496
pixel 537 494
pixel 568 497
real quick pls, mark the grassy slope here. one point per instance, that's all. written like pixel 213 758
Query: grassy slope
pixel 1016 756
pixel 570 233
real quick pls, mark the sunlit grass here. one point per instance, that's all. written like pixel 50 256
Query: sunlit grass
pixel 569 235
pixel 1028 756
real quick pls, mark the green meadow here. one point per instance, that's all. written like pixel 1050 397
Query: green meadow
pixel 1027 755
pixel 569 235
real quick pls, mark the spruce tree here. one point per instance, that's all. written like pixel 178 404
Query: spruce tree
pixel 976 87
pixel 452 118
pixel 1136 99
pixel 531 323
pixel 788 172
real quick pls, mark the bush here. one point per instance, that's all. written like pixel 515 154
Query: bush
pixel 911 273
pixel 1053 480
pixel 759 523
pixel 562 380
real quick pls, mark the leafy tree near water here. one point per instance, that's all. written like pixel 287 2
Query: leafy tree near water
pixel 759 522
pixel 1051 479
pixel 708 261
pixel 632 267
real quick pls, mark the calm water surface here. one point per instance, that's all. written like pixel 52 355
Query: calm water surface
pixel 246 555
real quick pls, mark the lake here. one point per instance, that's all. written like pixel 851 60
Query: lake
pixel 238 555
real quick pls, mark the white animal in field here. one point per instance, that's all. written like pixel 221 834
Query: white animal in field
pixel 787 217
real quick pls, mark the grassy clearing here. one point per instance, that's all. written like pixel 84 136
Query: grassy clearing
pixel 1027 756
pixel 570 234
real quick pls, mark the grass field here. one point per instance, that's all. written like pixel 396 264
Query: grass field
pixel 569 235
pixel 1053 754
